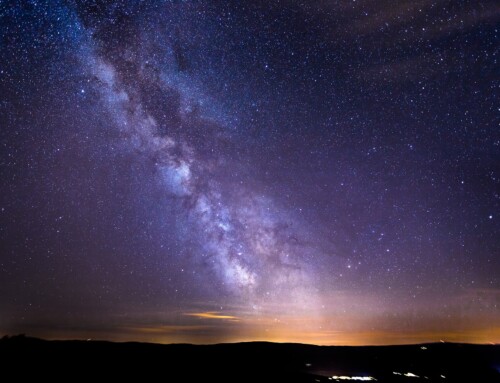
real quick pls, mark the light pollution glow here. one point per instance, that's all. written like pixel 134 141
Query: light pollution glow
pixel 211 327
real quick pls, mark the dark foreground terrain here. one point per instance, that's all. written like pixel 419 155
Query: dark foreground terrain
pixel 259 362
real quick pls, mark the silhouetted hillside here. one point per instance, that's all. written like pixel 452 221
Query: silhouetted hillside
pixel 259 361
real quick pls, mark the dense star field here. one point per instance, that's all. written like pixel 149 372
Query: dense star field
pixel 307 171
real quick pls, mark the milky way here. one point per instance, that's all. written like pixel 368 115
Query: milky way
pixel 247 245
pixel 324 172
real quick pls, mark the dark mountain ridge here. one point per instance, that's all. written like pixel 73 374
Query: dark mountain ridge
pixel 255 361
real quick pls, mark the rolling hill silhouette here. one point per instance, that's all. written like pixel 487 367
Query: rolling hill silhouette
pixel 27 357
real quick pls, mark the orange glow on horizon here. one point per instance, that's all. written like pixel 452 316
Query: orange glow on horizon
pixel 210 334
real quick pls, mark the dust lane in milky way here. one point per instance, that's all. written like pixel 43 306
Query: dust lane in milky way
pixel 314 172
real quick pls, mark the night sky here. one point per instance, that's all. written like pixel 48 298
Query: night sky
pixel 321 171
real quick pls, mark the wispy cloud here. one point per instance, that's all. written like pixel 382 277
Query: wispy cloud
pixel 213 315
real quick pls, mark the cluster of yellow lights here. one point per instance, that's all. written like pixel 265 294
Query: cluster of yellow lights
pixel 412 375
pixel 344 377
pixel 408 374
